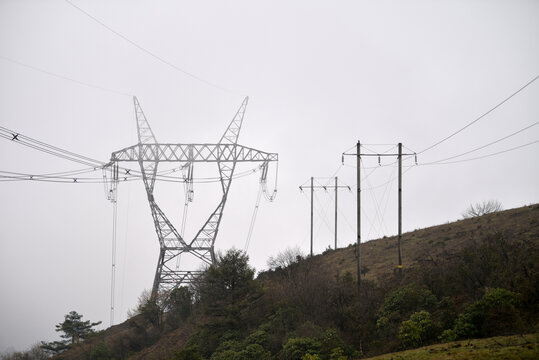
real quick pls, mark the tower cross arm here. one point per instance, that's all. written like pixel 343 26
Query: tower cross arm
pixel 192 153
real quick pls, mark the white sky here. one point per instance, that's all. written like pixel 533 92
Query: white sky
pixel 321 75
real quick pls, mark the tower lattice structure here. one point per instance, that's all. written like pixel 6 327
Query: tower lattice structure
pixel 226 153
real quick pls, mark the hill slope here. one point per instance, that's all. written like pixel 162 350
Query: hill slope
pixel 380 257
pixel 503 347
pixel 453 264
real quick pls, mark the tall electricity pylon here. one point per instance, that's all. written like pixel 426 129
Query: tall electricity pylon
pixel 149 153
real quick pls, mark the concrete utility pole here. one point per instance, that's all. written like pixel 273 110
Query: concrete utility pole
pixel 358 164
pixel 400 209
pixel 312 193
pixel 336 182
pixel 358 155
pixel 312 187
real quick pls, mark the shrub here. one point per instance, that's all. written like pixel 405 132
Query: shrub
pixel 101 352
pixel 296 348
pixel 494 314
pixel 482 208
pixel 189 353
pixel 406 300
pixel 448 335
pixel 419 330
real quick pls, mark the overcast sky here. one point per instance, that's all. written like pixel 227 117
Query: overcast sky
pixel 321 75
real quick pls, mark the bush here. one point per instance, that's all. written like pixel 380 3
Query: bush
pixel 482 208
pixel 101 352
pixel 189 353
pixel 494 314
pixel 296 348
pixel 448 335
pixel 406 300
pixel 419 330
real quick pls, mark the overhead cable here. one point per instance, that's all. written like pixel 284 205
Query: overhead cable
pixel 482 116
pixel 47 148
pixel 148 52
pixel 35 68
pixel 482 157
pixel 483 146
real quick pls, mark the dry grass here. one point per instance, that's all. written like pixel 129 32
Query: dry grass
pixel 380 257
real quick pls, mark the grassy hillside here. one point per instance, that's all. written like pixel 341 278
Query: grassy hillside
pixel 476 277
pixel 380 257
pixel 521 347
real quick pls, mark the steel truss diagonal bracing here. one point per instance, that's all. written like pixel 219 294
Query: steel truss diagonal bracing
pixel 226 153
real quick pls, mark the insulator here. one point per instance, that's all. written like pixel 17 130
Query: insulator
pixel 415 158
pixel 379 161
pixel 342 159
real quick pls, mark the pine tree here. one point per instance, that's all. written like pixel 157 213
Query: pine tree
pixel 74 330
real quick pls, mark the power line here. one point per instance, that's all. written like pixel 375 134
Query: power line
pixel 484 156
pixel 148 52
pixel 482 116
pixel 130 174
pixel 47 148
pixel 35 68
pixel 484 146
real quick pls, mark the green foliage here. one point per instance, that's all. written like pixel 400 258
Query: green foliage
pixel 310 357
pixel 496 312
pixel 399 316
pixel 233 345
pixel 498 348
pixel 448 335
pixel 228 294
pixel 330 343
pixel 227 281
pixel 258 337
pixel 406 300
pixel 296 348
pixel 327 346
pixel 224 355
pixel 234 350
pixel 180 304
pixel 188 353
pixel 73 331
pixel 419 330
pixel 255 352
pixel 178 307
pixel 101 352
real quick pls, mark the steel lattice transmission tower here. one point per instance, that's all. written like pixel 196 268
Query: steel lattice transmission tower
pixel 149 153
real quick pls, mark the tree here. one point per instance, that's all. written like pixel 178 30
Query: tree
pixel 482 208
pixel 180 303
pixel 74 330
pixel 34 353
pixel 228 280
pixel 285 258
pixel 227 294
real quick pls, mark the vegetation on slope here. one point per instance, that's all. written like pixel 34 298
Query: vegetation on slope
pixel 474 278
pixel 521 347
